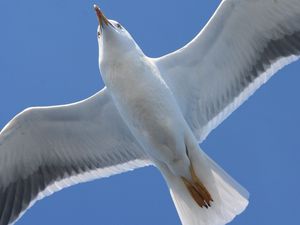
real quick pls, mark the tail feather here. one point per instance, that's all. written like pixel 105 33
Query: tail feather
pixel 229 198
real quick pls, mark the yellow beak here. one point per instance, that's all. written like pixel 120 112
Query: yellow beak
pixel 101 18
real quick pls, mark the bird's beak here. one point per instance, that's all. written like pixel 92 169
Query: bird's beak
pixel 103 21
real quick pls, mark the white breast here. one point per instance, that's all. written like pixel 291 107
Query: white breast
pixel 144 101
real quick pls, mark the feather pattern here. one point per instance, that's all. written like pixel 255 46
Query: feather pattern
pixel 45 149
pixel 240 48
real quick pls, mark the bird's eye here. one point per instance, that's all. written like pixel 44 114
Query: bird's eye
pixel 118 25
pixel 98 34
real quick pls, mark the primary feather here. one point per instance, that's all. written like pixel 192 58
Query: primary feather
pixel 45 149
pixel 240 48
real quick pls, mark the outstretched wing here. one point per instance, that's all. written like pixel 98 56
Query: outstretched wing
pixel 241 47
pixel 43 150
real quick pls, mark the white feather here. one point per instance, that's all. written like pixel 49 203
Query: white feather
pixel 45 149
pixel 212 68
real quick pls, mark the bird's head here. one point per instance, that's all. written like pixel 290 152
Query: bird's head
pixel 113 39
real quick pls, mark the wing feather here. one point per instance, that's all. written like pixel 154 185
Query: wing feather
pixel 240 48
pixel 45 149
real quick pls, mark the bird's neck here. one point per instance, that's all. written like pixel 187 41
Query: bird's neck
pixel 126 71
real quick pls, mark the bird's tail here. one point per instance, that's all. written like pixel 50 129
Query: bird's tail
pixel 225 197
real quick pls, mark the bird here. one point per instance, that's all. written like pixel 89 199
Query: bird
pixel 153 111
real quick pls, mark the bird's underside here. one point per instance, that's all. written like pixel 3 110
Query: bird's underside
pixel 45 149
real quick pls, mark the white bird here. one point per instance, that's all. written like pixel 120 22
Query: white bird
pixel 153 112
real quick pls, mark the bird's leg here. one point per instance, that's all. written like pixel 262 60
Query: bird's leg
pixel 197 190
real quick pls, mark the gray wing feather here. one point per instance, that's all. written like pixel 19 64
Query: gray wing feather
pixel 241 47
pixel 45 149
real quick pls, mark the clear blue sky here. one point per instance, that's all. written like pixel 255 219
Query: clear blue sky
pixel 49 54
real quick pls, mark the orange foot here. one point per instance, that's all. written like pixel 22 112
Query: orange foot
pixel 197 190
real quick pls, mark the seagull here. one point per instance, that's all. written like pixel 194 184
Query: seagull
pixel 153 111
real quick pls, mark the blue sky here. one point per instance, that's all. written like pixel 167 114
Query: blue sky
pixel 49 56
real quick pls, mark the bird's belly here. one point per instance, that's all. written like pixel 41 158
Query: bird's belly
pixel 148 107
pixel 156 121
